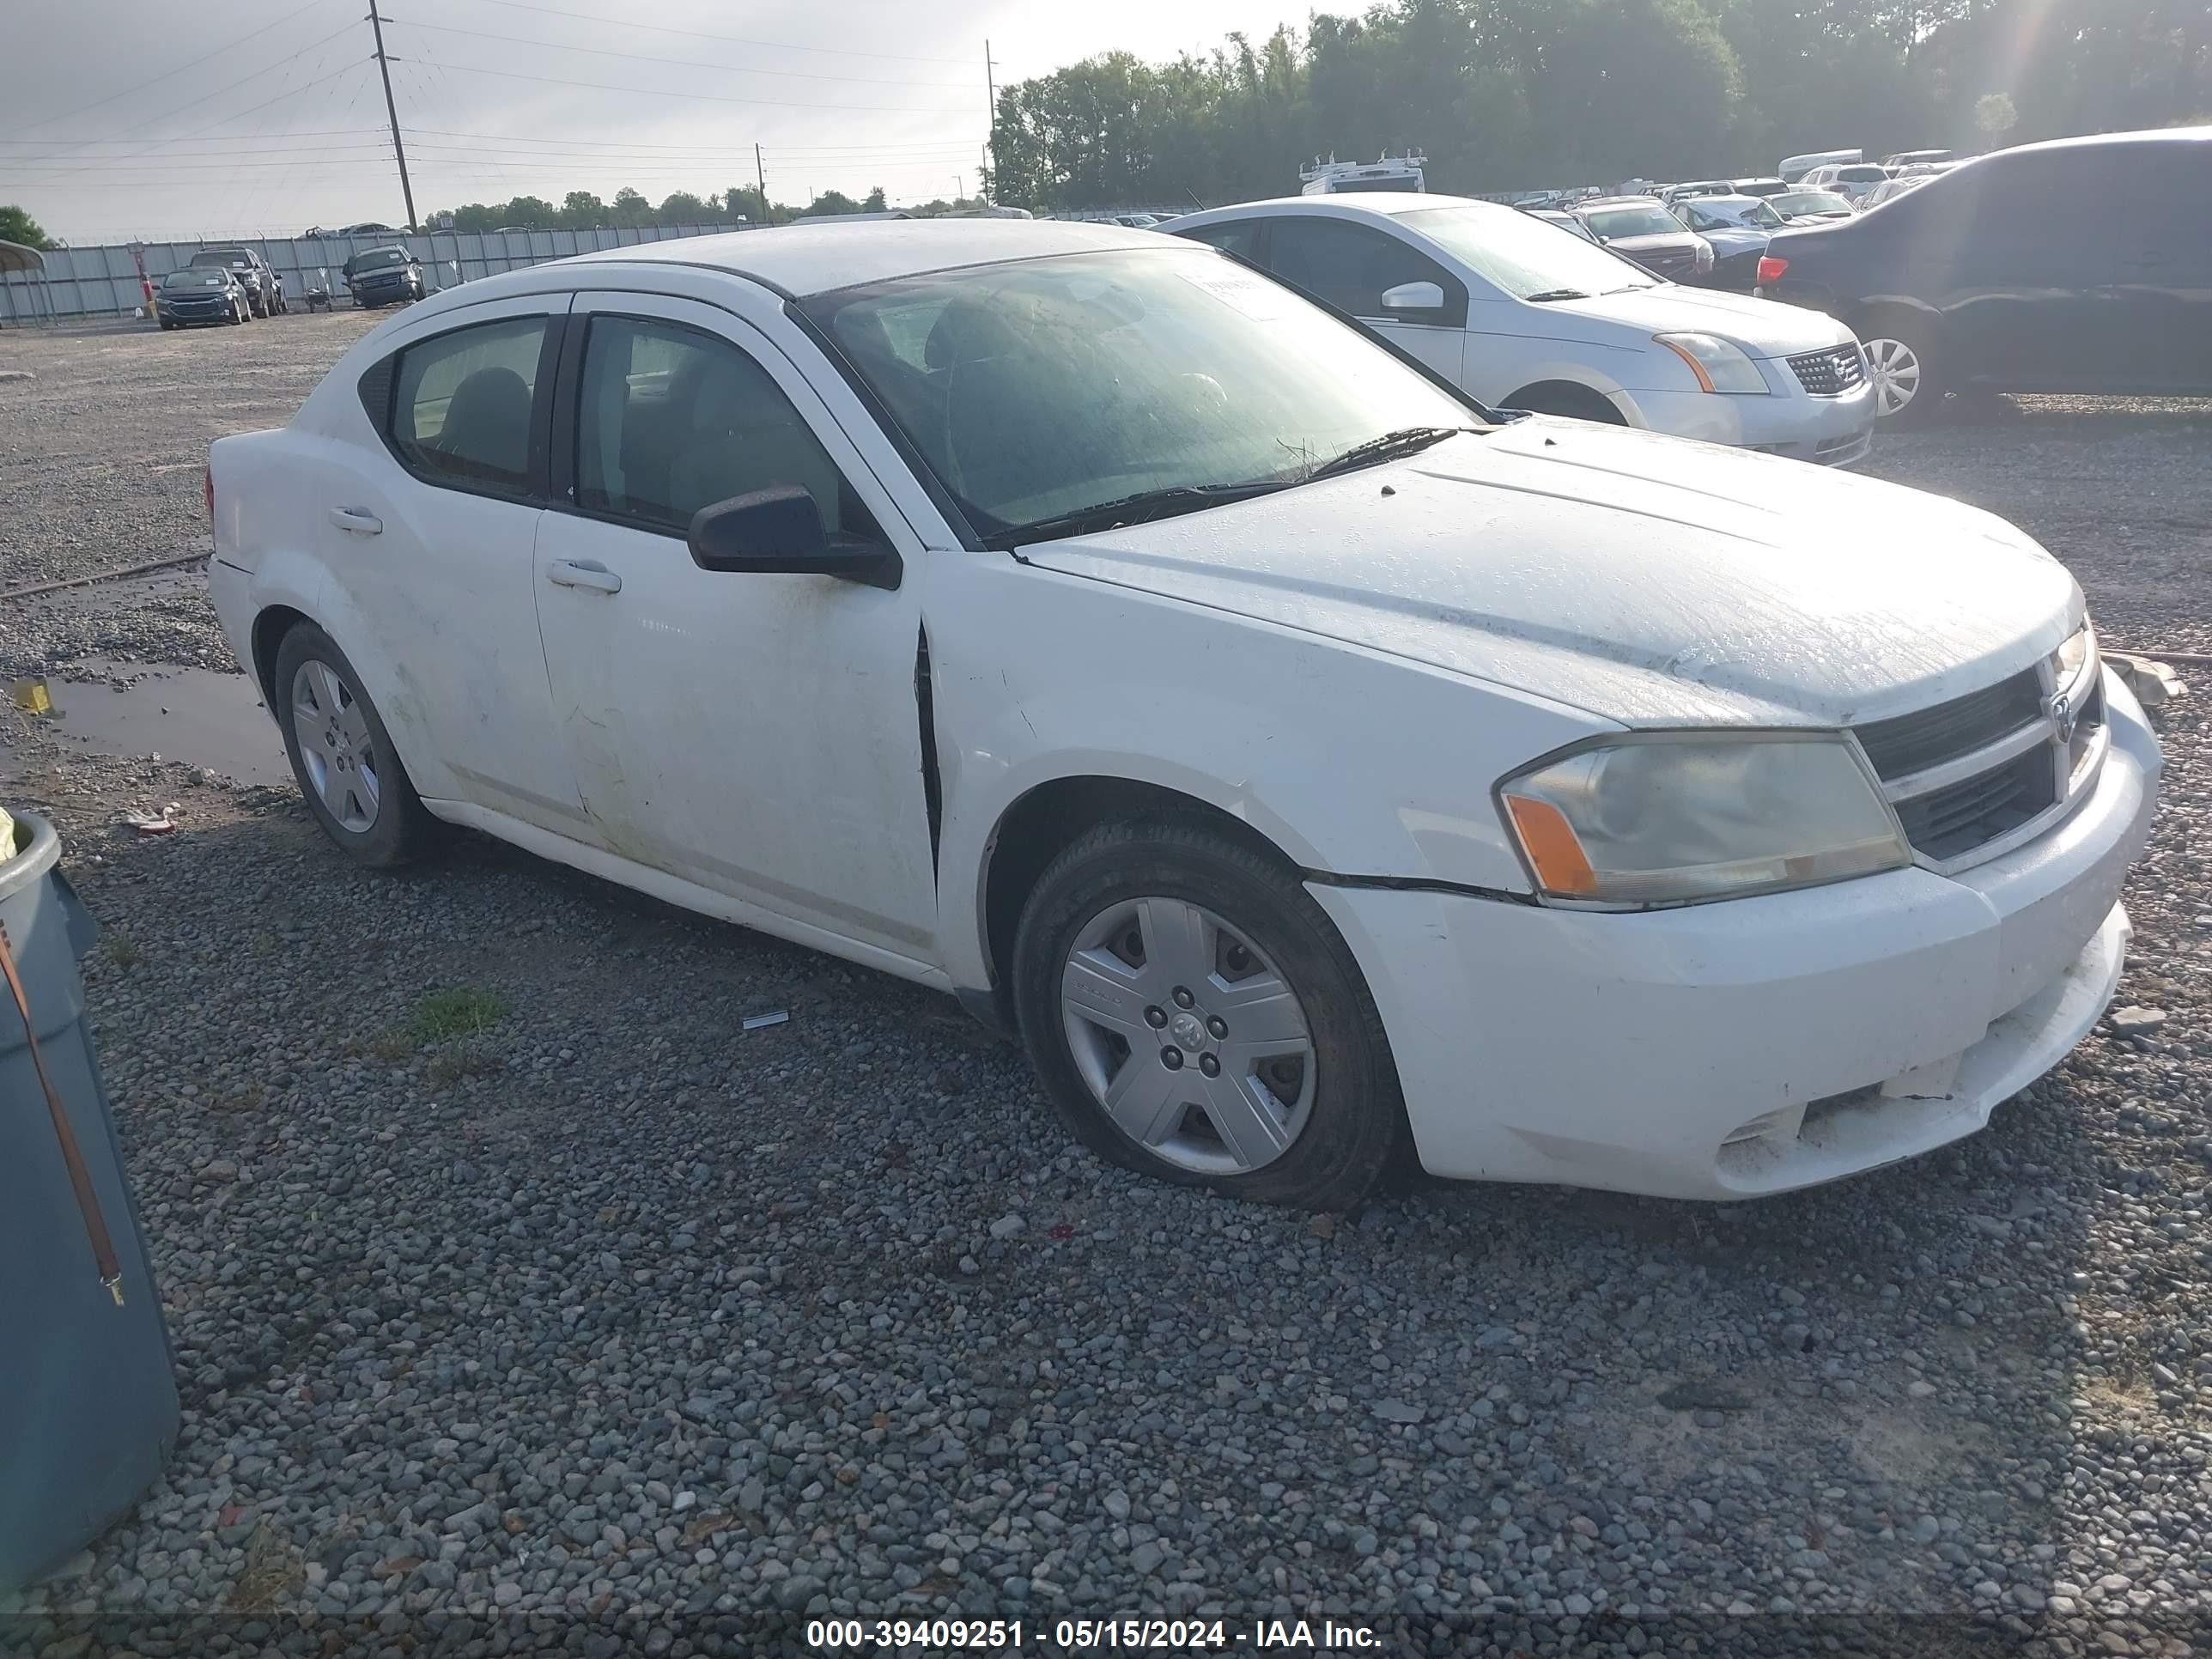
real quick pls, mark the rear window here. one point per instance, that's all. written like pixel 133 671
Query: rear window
pixel 1653 221
pixel 1861 175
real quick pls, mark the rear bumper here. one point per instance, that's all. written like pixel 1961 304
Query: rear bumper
pixel 1756 1045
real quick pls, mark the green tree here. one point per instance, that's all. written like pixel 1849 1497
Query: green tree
pixel 475 216
pixel 581 210
pixel 831 201
pixel 874 203
pixel 683 208
pixel 17 226
pixel 630 210
pixel 527 213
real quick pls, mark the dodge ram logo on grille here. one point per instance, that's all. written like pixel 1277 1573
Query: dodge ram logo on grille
pixel 2063 717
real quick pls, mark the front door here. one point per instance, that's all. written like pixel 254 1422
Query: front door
pixel 1353 266
pixel 431 540
pixel 758 734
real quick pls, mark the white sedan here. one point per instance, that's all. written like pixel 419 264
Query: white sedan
pixel 1523 316
pixel 1305 764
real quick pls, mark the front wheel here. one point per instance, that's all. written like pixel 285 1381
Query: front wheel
pixel 1193 1015
pixel 343 755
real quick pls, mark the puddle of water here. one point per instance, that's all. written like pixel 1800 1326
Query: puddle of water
pixel 188 714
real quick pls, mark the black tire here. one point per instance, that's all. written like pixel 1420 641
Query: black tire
pixel 402 828
pixel 166 327
pixel 1577 403
pixel 1355 1128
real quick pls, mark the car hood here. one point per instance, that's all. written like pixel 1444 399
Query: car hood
pixel 1646 579
pixel 1763 328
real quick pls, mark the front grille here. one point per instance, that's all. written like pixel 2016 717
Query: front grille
pixel 1947 823
pixel 1912 742
pixel 1668 262
pixel 1829 373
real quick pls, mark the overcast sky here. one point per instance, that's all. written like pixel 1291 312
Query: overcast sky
pixel 109 128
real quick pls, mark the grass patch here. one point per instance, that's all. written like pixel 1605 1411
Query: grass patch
pixel 122 949
pixel 463 1011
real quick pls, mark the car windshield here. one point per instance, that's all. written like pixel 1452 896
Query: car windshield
pixel 194 279
pixel 229 259
pixel 1738 211
pixel 1522 255
pixel 1811 201
pixel 1040 388
pixel 390 255
pixel 1639 221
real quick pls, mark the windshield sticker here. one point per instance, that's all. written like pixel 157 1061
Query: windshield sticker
pixel 1246 291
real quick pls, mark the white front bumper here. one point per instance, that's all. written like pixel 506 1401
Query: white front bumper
pixel 1629 1051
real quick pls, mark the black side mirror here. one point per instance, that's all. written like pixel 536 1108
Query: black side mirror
pixel 779 529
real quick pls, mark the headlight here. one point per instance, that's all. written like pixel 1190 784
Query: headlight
pixel 1672 818
pixel 2066 662
pixel 1718 366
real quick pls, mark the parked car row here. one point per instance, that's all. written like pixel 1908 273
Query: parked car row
pixel 1317 769
pixel 234 285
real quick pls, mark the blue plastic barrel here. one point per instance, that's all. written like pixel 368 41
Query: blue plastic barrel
pixel 88 1388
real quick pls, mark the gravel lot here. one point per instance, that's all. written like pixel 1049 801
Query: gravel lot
pixel 521 1298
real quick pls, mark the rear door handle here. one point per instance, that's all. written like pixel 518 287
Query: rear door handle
pixel 353 518
pixel 570 573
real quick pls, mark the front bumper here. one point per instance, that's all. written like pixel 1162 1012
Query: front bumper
pixel 1753 1046
pixel 1831 431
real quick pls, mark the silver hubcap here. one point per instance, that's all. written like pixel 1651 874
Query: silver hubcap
pixel 1896 370
pixel 1188 1037
pixel 336 750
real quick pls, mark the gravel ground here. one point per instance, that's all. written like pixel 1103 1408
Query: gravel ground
pixel 106 440
pixel 522 1298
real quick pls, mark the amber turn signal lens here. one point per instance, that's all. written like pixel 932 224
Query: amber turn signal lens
pixel 1553 848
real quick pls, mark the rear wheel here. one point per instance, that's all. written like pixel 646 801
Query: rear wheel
pixel 1903 363
pixel 343 755
pixel 1194 1016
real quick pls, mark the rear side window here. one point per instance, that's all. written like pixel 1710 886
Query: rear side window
pixel 1240 237
pixel 461 404
pixel 671 420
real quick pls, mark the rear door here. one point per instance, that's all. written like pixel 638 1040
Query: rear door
pixel 2162 253
pixel 430 539
pixel 1352 267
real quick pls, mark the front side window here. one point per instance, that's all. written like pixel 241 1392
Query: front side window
pixel 1047 386
pixel 1349 267
pixel 461 404
pixel 671 420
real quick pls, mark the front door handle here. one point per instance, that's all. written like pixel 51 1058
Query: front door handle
pixel 570 573
pixel 353 518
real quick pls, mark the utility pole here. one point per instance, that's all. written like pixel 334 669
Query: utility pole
pixel 761 174
pixel 991 132
pixel 398 149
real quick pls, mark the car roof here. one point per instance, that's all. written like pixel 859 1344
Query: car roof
pixel 802 259
pixel 1620 201
pixel 1353 204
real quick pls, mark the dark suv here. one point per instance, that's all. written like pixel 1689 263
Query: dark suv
pixel 264 294
pixel 2081 265
pixel 383 277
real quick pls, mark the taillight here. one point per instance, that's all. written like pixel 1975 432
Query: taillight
pixel 1771 269
pixel 207 482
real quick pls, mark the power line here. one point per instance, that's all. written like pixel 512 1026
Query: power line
pixel 733 39
pixel 503 138
pixel 681 63
pixel 179 138
pixel 710 97
pixel 258 29
pixel 213 138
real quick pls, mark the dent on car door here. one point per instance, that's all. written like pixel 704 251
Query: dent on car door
pixel 755 732
pixel 1352 267
pixel 428 542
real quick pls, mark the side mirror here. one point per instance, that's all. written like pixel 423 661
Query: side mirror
pixel 779 529
pixel 1413 296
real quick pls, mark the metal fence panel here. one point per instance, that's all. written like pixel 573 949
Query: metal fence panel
pixel 102 280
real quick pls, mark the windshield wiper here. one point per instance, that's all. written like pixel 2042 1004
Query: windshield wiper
pixel 1408 441
pixel 1142 508
pixel 1556 294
